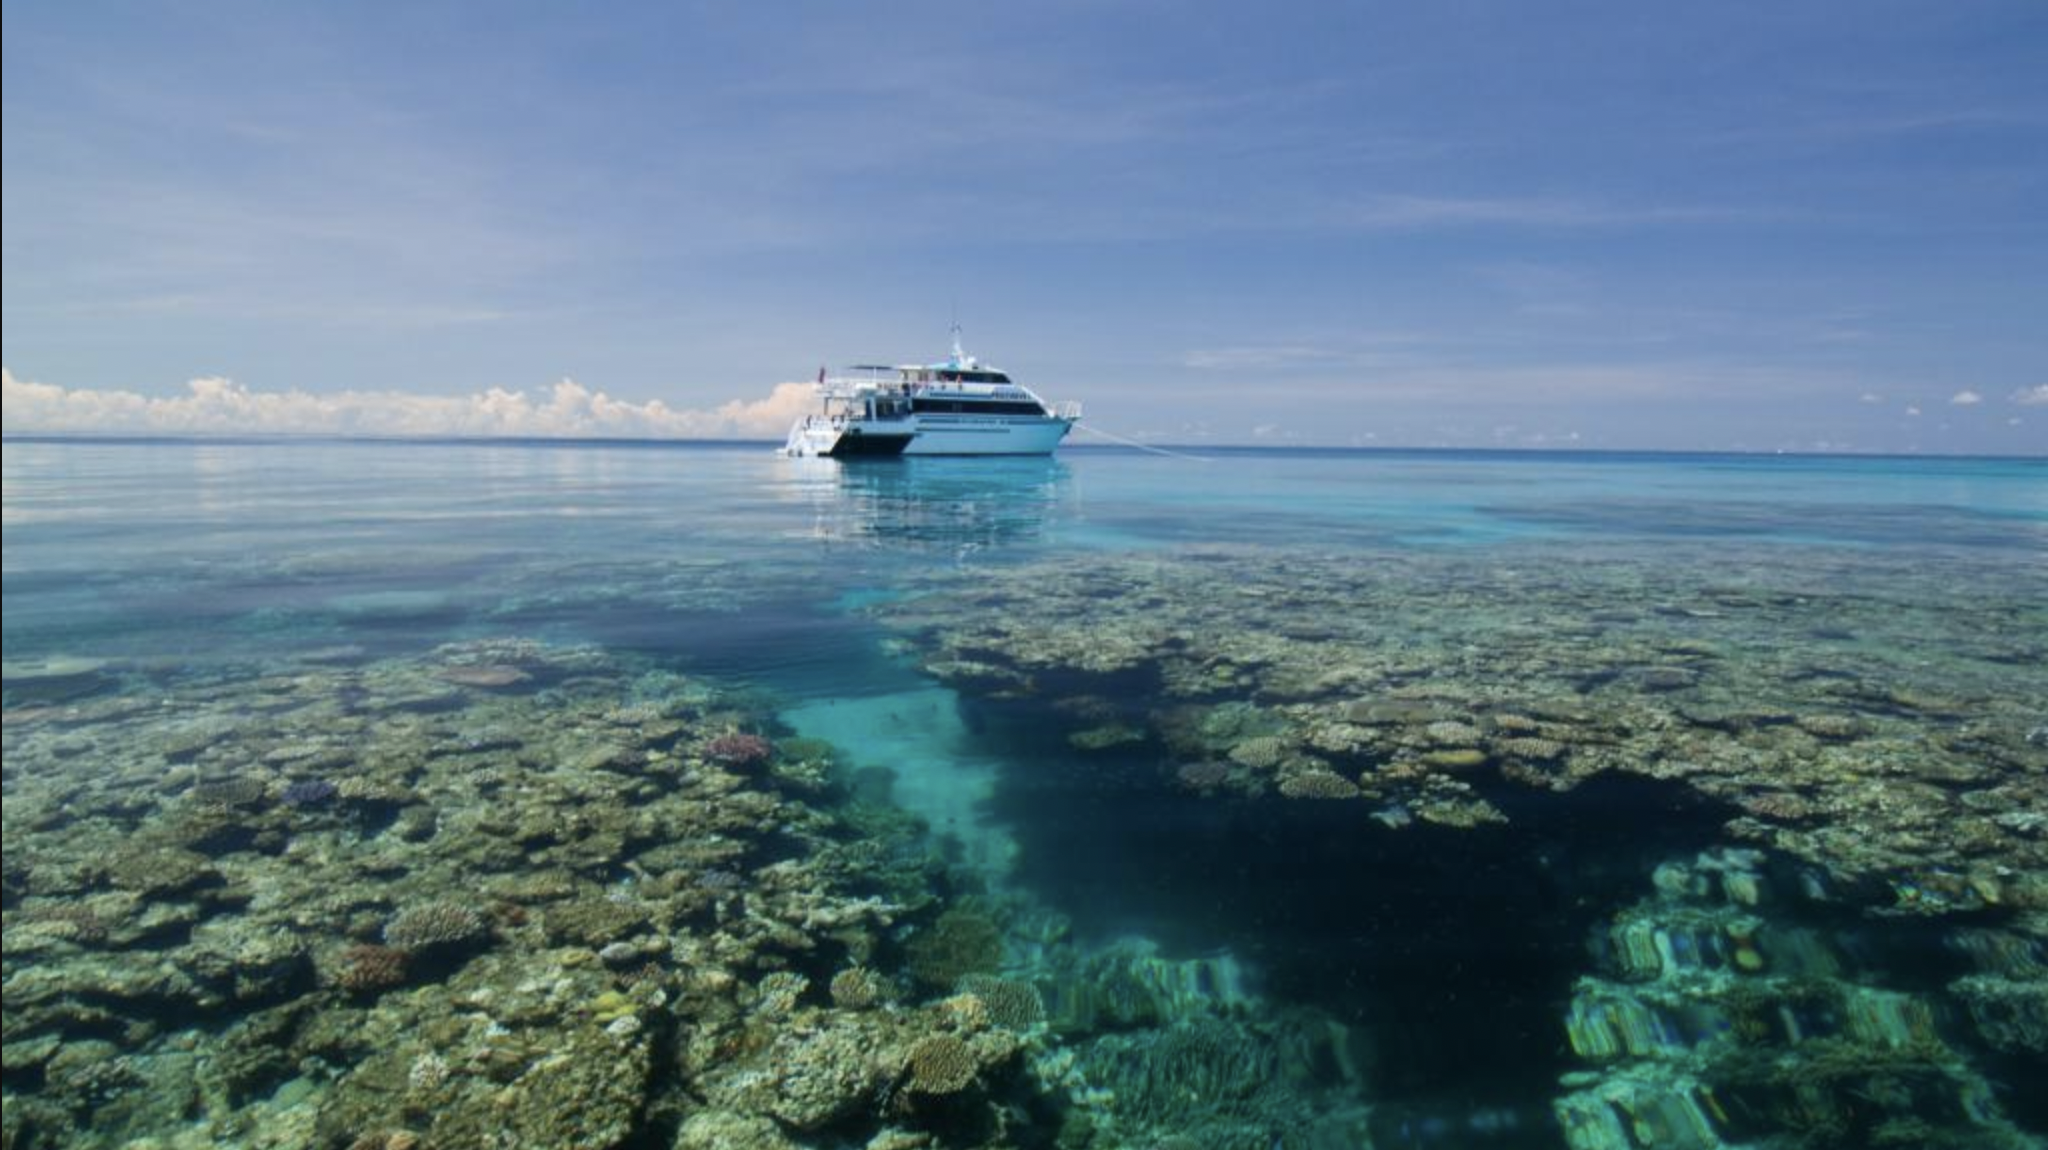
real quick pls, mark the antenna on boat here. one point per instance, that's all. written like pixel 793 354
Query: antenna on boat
pixel 959 356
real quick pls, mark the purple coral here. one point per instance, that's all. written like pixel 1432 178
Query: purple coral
pixel 738 749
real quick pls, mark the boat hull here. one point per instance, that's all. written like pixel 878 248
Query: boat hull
pixel 971 435
pixel 928 435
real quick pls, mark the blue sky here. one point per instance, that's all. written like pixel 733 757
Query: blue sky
pixel 1747 225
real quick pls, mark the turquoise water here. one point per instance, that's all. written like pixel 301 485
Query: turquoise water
pixel 1266 799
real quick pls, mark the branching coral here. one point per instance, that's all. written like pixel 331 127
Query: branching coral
pixel 738 749
pixel 435 925
pixel 367 968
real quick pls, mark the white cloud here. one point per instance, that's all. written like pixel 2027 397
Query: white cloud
pixel 1912 410
pixel 2035 396
pixel 1870 397
pixel 1966 398
pixel 220 406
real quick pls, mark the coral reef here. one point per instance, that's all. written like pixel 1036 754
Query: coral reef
pixel 1011 1002
pixel 369 968
pixel 507 892
pixel 1710 1023
pixel 738 749
pixel 1847 751
pixel 435 926
pixel 960 942
pixel 857 988
pixel 516 899
pixel 1317 784
pixel 309 793
pixel 941 1064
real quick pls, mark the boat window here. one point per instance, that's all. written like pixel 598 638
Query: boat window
pixel 976 407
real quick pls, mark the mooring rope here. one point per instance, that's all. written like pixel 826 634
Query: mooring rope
pixel 1143 446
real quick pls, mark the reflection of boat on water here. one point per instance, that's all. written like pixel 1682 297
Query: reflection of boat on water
pixel 954 505
pixel 959 407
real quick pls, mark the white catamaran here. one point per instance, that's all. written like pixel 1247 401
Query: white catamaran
pixel 959 407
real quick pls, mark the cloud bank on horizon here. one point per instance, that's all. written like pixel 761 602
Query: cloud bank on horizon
pixel 218 406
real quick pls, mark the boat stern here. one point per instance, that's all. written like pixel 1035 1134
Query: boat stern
pixel 811 436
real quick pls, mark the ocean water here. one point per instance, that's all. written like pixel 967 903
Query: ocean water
pixel 375 795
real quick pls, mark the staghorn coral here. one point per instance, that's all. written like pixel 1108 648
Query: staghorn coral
pixel 1451 733
pixel 435 926
pixel 1318 785
pixel 367 968
pixel 1261 752
pixel 779 992
pixel 1531 748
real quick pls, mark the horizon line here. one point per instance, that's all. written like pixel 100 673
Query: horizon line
pixel 268 437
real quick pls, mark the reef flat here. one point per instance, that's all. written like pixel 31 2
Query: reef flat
pixel 1888 734
pixel 1868 746
pixel 508 894
pixel 462 900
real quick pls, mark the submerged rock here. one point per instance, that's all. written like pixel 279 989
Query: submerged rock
pixel 52 678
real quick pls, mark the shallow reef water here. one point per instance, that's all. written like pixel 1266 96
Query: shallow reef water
pixel 371 796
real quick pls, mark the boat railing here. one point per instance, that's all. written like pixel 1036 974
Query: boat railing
pixel 1067 409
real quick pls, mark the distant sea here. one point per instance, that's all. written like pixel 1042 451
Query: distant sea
pixel 559 794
